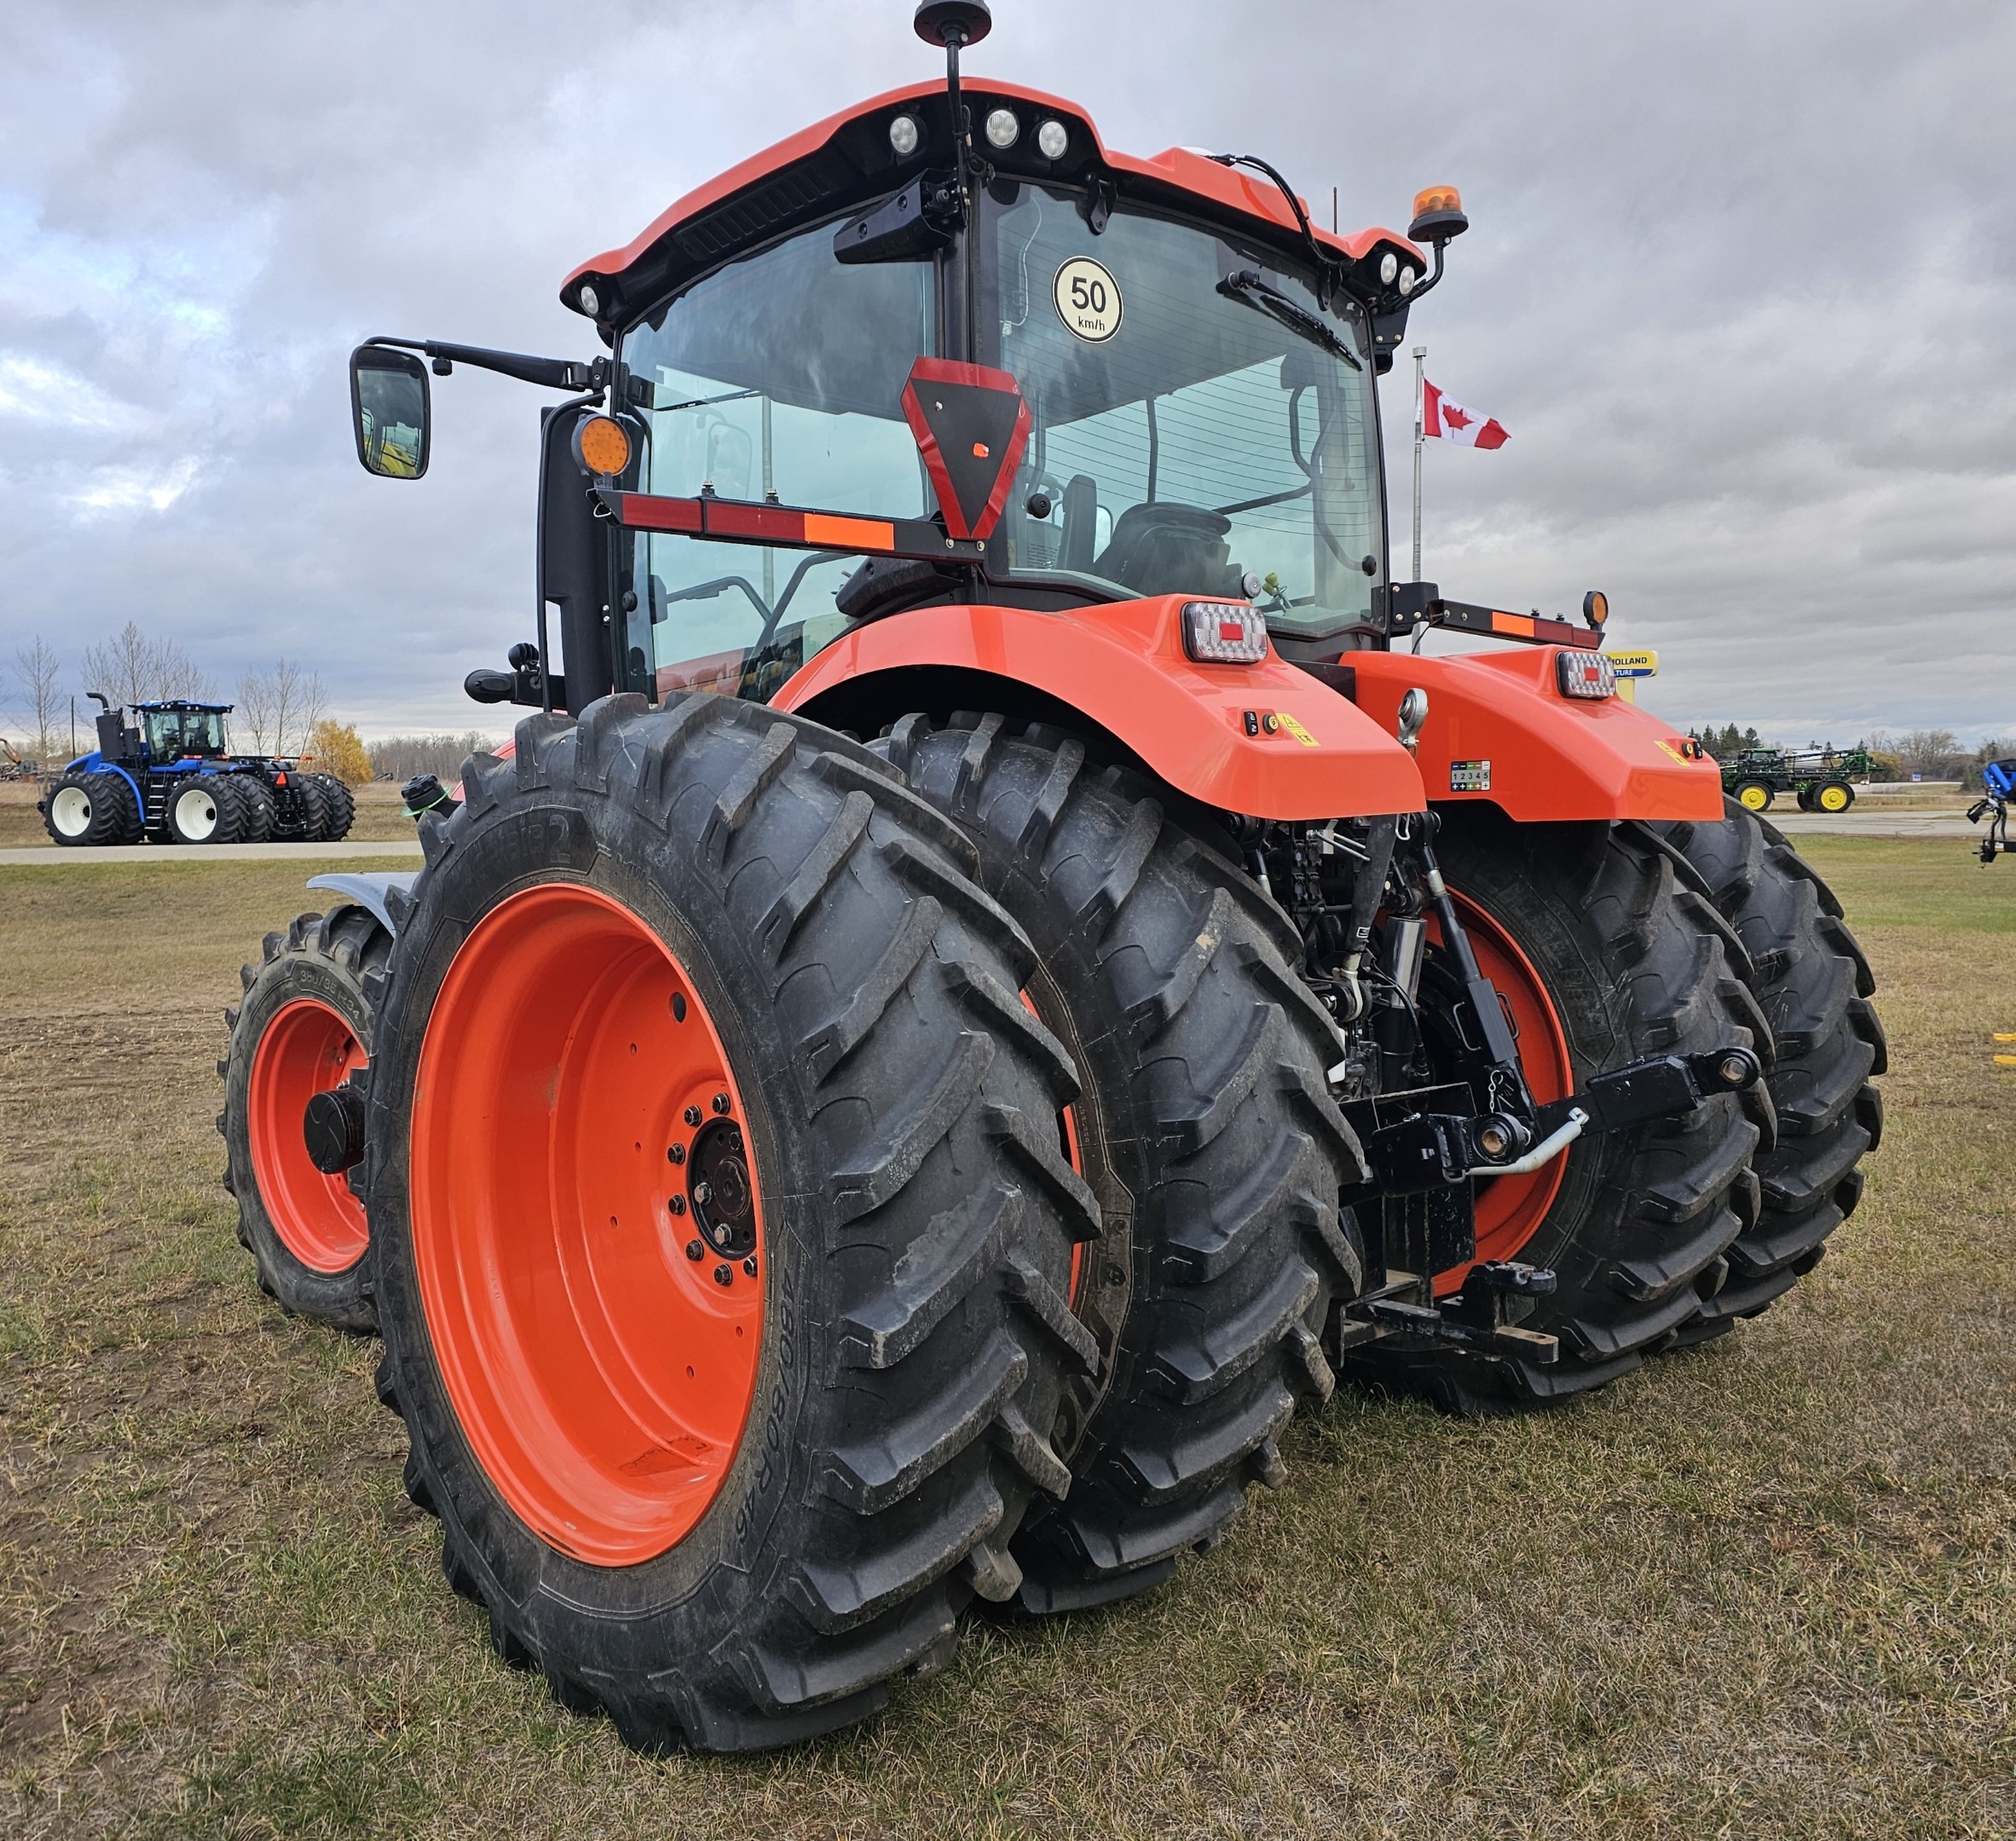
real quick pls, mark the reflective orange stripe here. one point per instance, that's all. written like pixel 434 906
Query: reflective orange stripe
pixel 1520 624
pixel 827 533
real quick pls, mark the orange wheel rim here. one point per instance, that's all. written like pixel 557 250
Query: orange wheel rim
pixel 1511 1209
pixel 306 1049
pixel 576 1132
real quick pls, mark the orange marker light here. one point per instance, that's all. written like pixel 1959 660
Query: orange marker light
pixel 602 445
pixel 1596 608
pixel 1437 198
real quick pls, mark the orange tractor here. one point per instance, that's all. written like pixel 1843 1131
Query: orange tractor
pixel 988 973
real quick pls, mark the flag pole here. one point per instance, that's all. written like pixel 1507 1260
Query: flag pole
pixel 1420 357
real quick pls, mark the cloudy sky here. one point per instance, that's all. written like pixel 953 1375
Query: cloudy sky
pixel 1742 283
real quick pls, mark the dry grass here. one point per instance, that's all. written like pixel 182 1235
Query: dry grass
pixel 1766 1588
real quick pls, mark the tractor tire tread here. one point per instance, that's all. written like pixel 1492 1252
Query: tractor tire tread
pixel 843 903
pixel 1210 1067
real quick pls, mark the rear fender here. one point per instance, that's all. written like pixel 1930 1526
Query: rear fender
pixel 1266 739
pixel 1500 732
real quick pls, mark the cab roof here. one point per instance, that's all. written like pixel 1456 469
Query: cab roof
pixel 846 160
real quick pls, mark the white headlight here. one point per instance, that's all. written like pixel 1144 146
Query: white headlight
pixel 590 300
pixel 903 136
pixel 1003 128
pixel 1222 633
pixel 1406 280
pixel 1051 140
pixel 1389 267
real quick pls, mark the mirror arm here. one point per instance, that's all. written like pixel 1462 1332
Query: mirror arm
pixel 555 373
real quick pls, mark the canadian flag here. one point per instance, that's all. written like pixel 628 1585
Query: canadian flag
pixel 1444 420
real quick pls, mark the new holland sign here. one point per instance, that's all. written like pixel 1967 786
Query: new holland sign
pixel 1629 668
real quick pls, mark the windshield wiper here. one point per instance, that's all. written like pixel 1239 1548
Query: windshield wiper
pixel 1245 285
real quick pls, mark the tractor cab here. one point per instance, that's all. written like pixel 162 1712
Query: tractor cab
pixel 1195 366
pixel 1199 388
pixel 181 730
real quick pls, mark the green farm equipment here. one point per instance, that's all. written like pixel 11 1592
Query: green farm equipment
pixel 1823 778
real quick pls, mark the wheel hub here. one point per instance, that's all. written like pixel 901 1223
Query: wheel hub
pixel 720 1190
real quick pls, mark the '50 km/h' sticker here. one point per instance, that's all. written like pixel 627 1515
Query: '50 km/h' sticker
pixel 1088 300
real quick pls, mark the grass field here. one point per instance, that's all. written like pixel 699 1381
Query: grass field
pixel 1765 1588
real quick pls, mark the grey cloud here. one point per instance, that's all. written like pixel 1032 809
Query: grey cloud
pixel 1740 284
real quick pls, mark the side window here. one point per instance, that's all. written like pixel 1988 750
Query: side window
pixel 778 380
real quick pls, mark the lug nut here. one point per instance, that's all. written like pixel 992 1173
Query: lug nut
pixel 694 1115
pixel 694 1250
pixel 720 1102
pixel 749 1265
pixel 675 1153
pixel 724 1274
pixel 702 1193
pixel 676 1203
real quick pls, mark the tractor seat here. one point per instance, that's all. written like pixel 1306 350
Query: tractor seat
pixel 1165 548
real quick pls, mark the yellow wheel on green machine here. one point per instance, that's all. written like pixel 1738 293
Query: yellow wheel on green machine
pixel 1836 795
pixel 1754 795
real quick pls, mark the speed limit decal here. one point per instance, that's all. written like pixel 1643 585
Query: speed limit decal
pixel 1088 300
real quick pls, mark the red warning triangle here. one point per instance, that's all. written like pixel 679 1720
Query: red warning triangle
pixel 971 426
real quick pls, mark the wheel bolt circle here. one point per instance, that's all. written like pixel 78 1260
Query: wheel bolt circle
pixel 720 1102
pixel 676 1203
pixel 724 1274
pixel 694 1115
pixel 675 1153
pixel 749 1265
pixel 694 1250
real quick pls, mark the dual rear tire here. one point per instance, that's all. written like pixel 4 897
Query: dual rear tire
pixel 761 1381
pixel 1207 1131
pixel 88 809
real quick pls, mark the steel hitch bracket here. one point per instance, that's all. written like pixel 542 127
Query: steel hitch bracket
pixel 1497 1296
pixel 1423 1160
pixel 1659 1087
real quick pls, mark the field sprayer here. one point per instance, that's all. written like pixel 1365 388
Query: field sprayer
pixel 169 777
pixel 984 977
pixel 1822 779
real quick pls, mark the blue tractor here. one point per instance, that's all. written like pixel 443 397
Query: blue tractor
pixel 167 776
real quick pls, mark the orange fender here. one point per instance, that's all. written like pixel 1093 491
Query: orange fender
pixel 1309 753
pixel 1499 731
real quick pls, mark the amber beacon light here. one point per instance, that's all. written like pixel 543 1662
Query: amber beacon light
pixel 602 445
pixel 1438 214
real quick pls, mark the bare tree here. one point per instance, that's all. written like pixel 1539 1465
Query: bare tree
pixel 131 667
pixel 178 675
pixel 314 705
pixel 37 666
pixel 287 702
pixel 126 668
pixel 253 716
pixel 402 757
pixel 1930 752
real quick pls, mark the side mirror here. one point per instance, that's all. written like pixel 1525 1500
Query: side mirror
pixel 389 405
